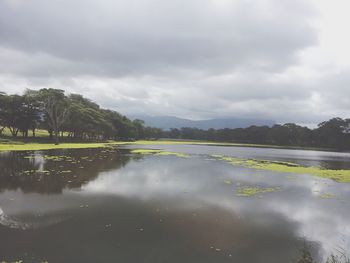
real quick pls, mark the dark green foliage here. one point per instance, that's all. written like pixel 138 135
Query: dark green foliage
pixel 333 134
pixel 74 115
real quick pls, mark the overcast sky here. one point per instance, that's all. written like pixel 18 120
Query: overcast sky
pixel 286 60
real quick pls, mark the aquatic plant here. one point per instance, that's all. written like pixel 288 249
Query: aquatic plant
pixel 342 176
pixel 306 256
pixel 248 191
pixel 158 152
pixel 327 196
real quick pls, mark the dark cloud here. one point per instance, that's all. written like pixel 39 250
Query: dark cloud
pixel 119 38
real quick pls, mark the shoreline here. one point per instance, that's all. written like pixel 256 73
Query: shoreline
pixel 18 145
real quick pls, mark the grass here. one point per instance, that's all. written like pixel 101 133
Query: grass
pixel 42 136
pixel 39 133
pixel 9 144
pixel 306 257
pixel 50 146
pixel 342 176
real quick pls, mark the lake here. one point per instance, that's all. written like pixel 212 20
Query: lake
pixel 113 205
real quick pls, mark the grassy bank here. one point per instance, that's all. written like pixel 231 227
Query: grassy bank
pixel 42 143
pixel 31 145
pixel 49 146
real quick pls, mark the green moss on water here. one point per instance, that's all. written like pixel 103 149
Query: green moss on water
pixel 145 151
pixel 342 176
pixel 182 155
pixel 327 196
pixel 158 152
pixel 248 191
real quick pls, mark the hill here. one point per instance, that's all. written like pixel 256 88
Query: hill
pixel 167 122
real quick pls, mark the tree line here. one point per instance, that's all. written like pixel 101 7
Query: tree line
pixel 73 115
pixel 333 134
pixel 80 118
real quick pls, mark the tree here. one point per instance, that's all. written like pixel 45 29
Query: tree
pixel 2 110
pixel 332 133
pixel 140 129
pixel 12 113
pixel 54 104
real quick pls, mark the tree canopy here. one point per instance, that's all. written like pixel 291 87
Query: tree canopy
pixel 333 134
pixel 74 115
pixel 80 118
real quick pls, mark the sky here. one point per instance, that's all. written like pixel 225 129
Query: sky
pixel 284 60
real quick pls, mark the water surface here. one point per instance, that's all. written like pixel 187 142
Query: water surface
pixel 108 205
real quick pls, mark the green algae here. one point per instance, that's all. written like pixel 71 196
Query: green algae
pixel 327 196
pixel 31 172
pixel 342 176
pixel 182 155
pixel 158 152
pixel 145 151
pixel 248 191
pixel 228 182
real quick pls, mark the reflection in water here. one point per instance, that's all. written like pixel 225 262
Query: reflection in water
pixel 52 171
pixel 113 206
pixel 10 222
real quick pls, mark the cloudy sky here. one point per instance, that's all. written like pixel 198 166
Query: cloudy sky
pixel 286 60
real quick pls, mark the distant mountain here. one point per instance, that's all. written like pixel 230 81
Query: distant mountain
pixel 167 122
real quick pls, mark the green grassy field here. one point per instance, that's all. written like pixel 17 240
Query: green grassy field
pixel 38 133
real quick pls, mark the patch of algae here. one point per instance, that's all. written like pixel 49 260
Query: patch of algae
pixel 342 176
pixel 158 152
pixel 248 191
pixel 327 196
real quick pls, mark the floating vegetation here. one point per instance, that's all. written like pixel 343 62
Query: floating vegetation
pixel 248 191
pixel 228 182
pixel 158 152
pixel 31 172
pixel 145 151
pixel 54 158
pixel 327 196
pixel 342 176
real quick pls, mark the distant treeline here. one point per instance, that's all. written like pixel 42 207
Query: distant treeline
pixel 79 118
pixel 334 134
pixel 72 115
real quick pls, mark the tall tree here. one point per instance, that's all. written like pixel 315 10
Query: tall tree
pixel 55 107
pixel 12 112
pixel 2 110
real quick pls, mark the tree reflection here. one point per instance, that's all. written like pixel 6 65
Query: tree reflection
pixel 52 171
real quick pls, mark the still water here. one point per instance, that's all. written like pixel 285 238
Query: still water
pixel 108 205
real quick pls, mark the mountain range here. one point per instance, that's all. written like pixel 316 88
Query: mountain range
pixel 168 122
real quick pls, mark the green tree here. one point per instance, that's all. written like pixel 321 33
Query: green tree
pixel 54 105
pixel 12 113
